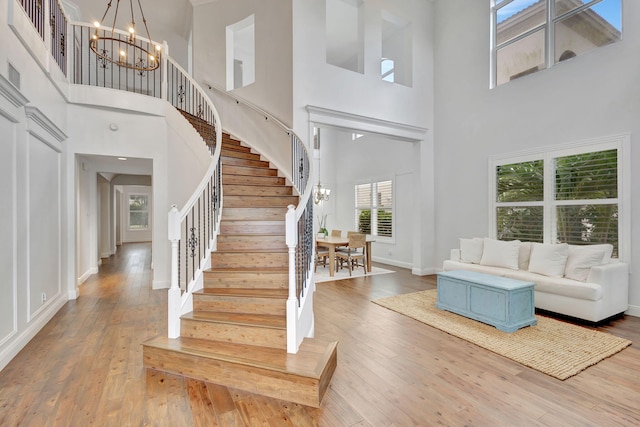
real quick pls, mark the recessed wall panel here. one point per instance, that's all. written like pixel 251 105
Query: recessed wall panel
pixel 44 223
pixel 7 227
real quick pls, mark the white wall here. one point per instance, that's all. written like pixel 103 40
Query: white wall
pixel 593 95
pixel 317 83
pixel 372 104
pixel 179 160
pixel 345 163
pixel 33 260
pixel 272 89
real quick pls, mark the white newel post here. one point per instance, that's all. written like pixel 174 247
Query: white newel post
pixel 292 300
pixel 175 294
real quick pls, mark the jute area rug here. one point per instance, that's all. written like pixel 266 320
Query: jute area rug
pixel 556 348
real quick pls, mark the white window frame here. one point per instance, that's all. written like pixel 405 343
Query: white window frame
pixel 549 33
pixel 373 208
pixel 619 142
pixel 129 195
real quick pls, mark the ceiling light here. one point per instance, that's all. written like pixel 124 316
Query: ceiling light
pixel 125 50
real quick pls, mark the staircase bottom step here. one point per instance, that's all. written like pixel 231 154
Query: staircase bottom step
pixel 300 378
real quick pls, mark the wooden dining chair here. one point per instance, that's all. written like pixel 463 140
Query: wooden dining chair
pixel 336 233
pixel 322 255
pixel 354 252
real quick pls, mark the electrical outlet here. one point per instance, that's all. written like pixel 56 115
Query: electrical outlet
pixel 44 297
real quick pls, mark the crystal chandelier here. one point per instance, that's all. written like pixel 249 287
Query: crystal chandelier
pixel 125 51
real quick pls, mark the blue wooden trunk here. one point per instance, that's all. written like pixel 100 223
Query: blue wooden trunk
pixel 504 303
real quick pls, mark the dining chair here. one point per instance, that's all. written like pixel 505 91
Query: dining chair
pixel 336 233
pixel 322 254
pixel 354 252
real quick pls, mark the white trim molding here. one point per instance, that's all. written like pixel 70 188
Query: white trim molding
pixel 340 119
pixel 12 93
pixel 37 117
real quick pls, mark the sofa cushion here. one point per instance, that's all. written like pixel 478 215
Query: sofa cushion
pixel 559 285
pixel 548 260
pixel 582 258
pixel 471 250
pixel 449 265
pixel 498 253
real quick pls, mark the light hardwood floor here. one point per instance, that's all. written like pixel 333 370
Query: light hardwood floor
pixel 85 368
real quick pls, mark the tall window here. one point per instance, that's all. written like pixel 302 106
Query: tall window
pixel 138 212
pixel 570 195
pixel 531 35
pixel 374 208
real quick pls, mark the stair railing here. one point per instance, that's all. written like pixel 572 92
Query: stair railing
pixel 192 228
pixel 200 216
pixel 299 219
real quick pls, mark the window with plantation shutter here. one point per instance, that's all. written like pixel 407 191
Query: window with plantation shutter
pixel 586 198
pixel 374 208
pixel 520 192
pixel 570 195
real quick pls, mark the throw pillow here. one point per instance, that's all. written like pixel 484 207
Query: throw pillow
pixel 498 253
pixel 606 247
pixel 523 257
pixel 581 259
pixel 548 260
pixel 471 250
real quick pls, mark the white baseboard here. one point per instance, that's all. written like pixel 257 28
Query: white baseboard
pixel 83 278
pixel 633 310
pixel 424 271
pixel 393 262
pixel 161 284
pixel 10 351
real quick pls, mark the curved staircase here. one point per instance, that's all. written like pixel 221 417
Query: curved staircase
pixel 236 334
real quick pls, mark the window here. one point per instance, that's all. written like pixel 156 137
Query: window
pixel 138 212
pixel 571 195
pixel 531 35
pixel 386 70
pixel 374 208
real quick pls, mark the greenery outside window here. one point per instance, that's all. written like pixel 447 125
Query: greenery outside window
pixel 138 212
pixel 374 208
pixel 531 35
pixel 573 195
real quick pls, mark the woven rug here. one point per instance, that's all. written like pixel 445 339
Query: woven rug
pixel 322 273
pixel 556 348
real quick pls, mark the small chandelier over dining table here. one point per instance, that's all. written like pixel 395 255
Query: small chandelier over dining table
pixel 125 50
pixel 320 194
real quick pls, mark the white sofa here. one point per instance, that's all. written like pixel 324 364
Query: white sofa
pixel 578 281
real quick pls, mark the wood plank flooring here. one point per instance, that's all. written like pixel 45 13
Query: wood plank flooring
pixel 85 368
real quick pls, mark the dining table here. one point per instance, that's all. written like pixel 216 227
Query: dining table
pixel 333 242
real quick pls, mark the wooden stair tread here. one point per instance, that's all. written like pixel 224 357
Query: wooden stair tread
pixel 309 362
pixel 246 292
pixel 240 270
pixel 251 250
pixel 260 320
